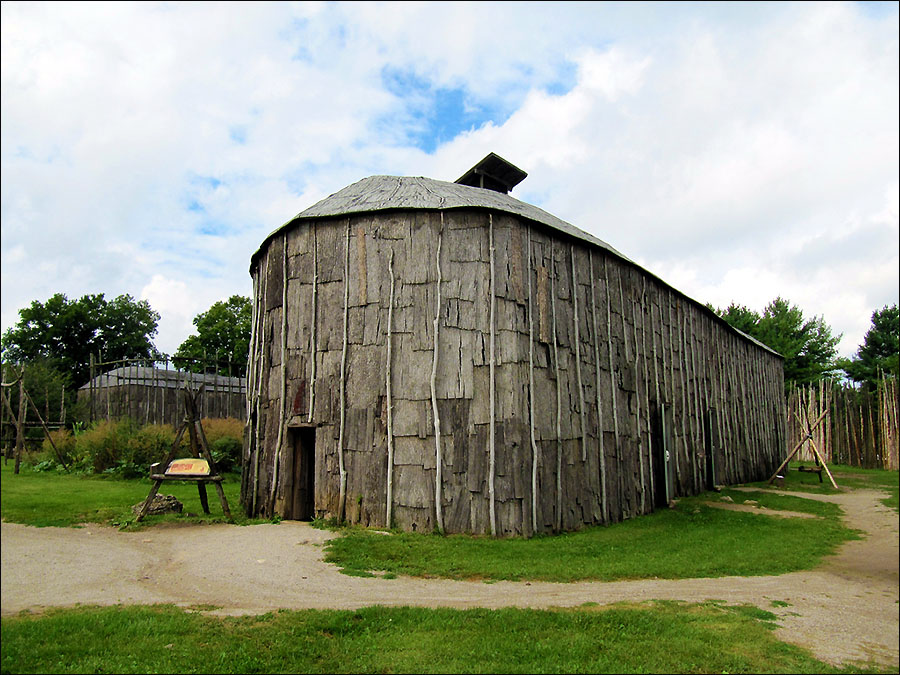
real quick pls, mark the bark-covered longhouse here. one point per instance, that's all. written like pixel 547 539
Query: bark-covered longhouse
pixel 435 355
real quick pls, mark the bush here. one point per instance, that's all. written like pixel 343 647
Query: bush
pixel 100 443
pixel 222 427
pixel 127 449
pixel 65 445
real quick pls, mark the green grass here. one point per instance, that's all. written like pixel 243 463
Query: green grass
pixel 44 499
pixel 661 637
pixel 846 477
pixel 691 540
pixel 777 502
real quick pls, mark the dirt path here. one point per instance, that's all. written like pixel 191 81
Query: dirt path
pixel 845 610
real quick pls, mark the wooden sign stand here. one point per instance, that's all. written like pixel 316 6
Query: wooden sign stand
pixel 819 459
pixel 200 449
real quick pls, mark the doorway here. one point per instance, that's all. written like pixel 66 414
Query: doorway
pixel 300 504
pixel 660 439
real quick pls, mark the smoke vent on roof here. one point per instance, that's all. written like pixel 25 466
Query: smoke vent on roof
pixel 493 173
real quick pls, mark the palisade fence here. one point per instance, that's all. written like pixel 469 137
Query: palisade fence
pixel 860 428
pixel 147 390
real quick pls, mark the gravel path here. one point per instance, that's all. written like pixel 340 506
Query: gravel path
pixel 844 610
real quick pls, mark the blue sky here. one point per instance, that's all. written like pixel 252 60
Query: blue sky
pixel 737 150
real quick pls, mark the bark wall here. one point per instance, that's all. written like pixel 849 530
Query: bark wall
pixel 565 356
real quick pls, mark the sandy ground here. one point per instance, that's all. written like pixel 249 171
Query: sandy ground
pixel 845 610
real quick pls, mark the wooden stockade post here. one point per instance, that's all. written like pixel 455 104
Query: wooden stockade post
pixel 19 420
pixel 189 469
pixel 819 459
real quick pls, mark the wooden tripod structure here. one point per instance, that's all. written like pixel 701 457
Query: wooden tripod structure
pixel 199 448
pixel 19 419
pixel 819 459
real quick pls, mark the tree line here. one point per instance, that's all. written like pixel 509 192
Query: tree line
pixel 810 349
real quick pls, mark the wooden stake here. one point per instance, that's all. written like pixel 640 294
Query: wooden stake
pixel 627 360
pixel 389 501
pixel 20 424
pixel 493 393
pixel 259 378
pixel 638 358
pixel 612 386
pixel 534 446
pixel 312 324
pixel 438 478
pixel 59 456
pixel 797 447
pixel 343 472
pixel 603 501
pixel 558 390
pixel 283 372
pixel 578 356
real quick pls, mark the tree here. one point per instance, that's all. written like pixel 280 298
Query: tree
pixel 66 332
pixel 880 350
pixel 807 345
pixel 223 335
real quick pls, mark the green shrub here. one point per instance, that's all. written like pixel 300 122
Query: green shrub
pixel 64 441
pixel 226 453
pixel 148 444
pixel 215 428
pixel 100 442
pixel 127 449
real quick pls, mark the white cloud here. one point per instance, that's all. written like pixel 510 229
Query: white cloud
pixel 739 151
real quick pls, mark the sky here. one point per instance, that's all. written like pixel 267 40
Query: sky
pixel 738 151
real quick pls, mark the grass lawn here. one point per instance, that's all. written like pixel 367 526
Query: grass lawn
pixel 692 540
pixel 660 637
pixel 56 499
pixel 846 477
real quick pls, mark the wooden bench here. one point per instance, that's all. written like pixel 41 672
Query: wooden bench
pixel 811 469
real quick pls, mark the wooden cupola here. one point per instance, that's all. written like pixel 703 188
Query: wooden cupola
pixel 493 173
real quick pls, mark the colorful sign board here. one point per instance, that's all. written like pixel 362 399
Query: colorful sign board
pixel 190 466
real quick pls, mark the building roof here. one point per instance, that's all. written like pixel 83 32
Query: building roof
pixel 406 193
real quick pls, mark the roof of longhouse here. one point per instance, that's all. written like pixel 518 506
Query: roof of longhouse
pixel 406 193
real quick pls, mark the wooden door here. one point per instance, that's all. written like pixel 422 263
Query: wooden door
pixel 301 505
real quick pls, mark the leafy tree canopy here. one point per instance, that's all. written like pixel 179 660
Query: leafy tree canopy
pixel 223 335
pixel 66 332
pixel 880 350
pixel 807 345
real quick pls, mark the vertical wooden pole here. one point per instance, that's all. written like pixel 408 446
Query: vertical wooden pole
pixel 343 471
pixel 20 423
pixel 627 360
pixel 604 505
pixel 276 460
pixel 389 501
pixel 534 447
pixel 639 358
pixel 559 462
pixel 312 324
pixel 493 393
pixel 613 387
pixel 92 391
pixel 261 371
pixel 438 477
pixel 577 339
pixel 646 407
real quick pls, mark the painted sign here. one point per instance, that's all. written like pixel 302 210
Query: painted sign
pixel 190 466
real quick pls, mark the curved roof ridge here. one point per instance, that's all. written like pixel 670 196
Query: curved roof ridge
pixel 387 193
